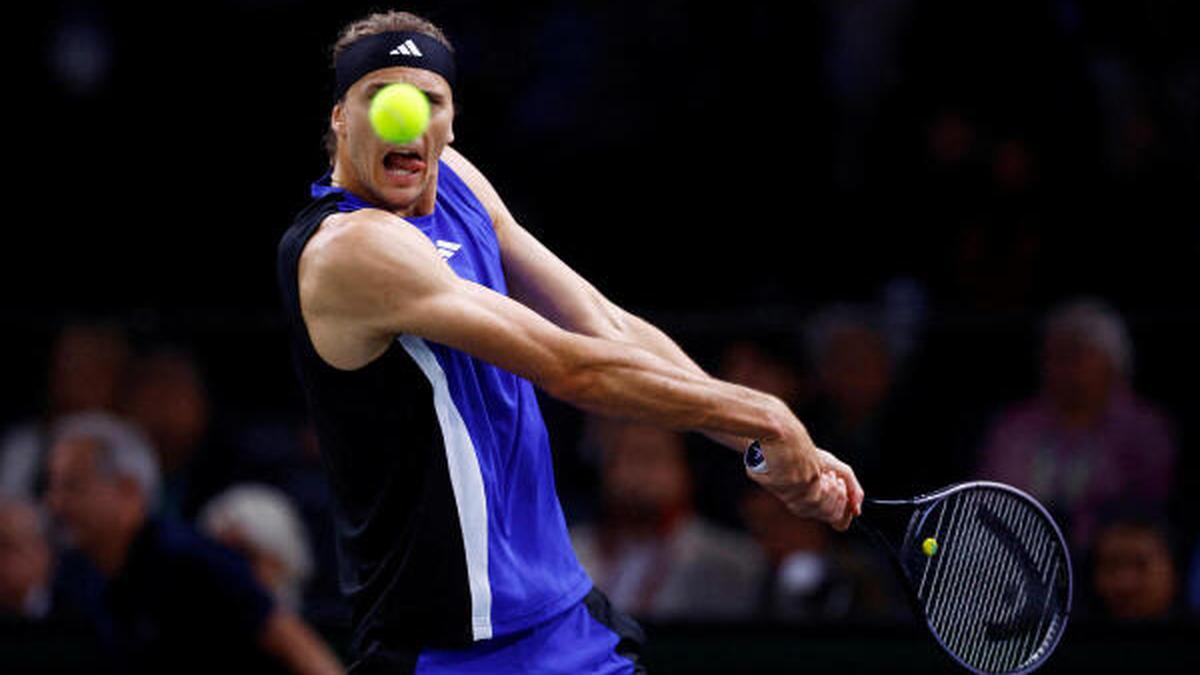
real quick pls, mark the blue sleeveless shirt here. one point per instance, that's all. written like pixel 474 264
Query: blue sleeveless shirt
pixel 450 530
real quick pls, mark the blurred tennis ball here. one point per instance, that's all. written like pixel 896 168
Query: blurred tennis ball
pixel 930 547
pixel 399 113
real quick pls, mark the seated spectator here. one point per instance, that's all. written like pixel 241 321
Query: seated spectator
pixel 1134 576
pixel 86 371
pixel 284 453
pixel 813 575
pixel 1085 439
pixel 765 360
pixel 167 399
pixel 25 562
pixel 855 412
pixel 650 552
pixel 766 365
pixel 178 603
pixel 47 618
pixel 260 522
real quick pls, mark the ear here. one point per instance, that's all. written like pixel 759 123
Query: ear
pixel 337 119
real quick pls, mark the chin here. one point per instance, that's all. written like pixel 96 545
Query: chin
pixel 402 198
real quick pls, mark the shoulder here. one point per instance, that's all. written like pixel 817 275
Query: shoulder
pixel 210 567
pixel 355 227
pixel 345 241
pixel 306 222
pixel 1141 415
pixel 188 548
pixel 210 577
pixel 477 182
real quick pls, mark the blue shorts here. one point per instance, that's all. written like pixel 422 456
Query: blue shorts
pixel 590 638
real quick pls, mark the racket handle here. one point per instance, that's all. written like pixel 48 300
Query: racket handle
pixel 754 459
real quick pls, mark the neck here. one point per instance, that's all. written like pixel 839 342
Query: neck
pixel 423 205
pixel 1082 412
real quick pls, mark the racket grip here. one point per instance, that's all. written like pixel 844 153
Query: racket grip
pixel 754 459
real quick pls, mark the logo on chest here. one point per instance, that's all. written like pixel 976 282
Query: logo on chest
pixel 447 249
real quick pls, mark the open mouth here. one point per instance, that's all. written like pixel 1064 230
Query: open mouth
pixel 403 163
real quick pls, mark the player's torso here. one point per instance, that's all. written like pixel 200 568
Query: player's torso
pixel 441 466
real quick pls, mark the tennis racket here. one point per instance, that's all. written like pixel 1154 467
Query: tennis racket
pixel 985 567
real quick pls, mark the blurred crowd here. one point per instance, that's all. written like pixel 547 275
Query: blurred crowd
pixel 1022 174
pixel 130 443
pixel 133 525
pixel 1103 458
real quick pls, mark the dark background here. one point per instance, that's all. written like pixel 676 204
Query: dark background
pixel 720 171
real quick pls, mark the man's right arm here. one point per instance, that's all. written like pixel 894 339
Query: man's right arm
pixel 367 276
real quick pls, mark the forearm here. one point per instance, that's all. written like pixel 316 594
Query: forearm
pixel 631 382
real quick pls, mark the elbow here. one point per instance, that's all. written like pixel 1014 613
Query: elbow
pixel 570 384
pixel 580 383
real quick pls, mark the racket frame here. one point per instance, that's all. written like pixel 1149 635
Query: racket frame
pixel 921 506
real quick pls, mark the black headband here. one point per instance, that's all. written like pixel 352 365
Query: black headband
pixel 386 50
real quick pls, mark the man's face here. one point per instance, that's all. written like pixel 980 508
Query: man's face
pixel 645 472
pixel 1134 575
pixel 84 501
pixel 402 178
pixel 1076 373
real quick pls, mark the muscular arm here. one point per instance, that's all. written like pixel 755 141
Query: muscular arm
pixel 540 280
pixel 367 276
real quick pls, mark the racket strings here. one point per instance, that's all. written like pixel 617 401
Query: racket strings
pixel 990 595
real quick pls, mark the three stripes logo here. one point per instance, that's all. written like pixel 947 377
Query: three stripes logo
pixel 447 248
pixel 409 48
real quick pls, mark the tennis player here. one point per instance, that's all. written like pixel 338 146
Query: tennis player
pixel 423 316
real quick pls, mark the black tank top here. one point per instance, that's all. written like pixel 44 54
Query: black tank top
pixel 401 558
pixel 449 525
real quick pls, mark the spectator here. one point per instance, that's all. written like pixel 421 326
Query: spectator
pixel 25 562
pixel 168 400
pixel 284 453
pixel 767 360
pixel 47 608
pixel 177 602
pixel 650 552
pixel 812 577
pixel 1134 576
pixel 260 522
pixel 1085 439
pixel 87 369
pixel 855 412
pixel 770 368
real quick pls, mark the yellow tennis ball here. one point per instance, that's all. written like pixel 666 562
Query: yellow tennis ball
pixel 399 113
pixel 930 547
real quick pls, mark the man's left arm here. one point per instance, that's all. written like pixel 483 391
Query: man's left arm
pixel 539 279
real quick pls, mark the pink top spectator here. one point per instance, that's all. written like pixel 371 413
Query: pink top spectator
pixel 1126 455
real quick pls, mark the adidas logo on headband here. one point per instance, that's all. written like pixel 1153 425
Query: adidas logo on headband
pixel 409 48
pixel 388 50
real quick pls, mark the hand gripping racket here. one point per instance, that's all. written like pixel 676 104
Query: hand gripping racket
pixel 984 565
